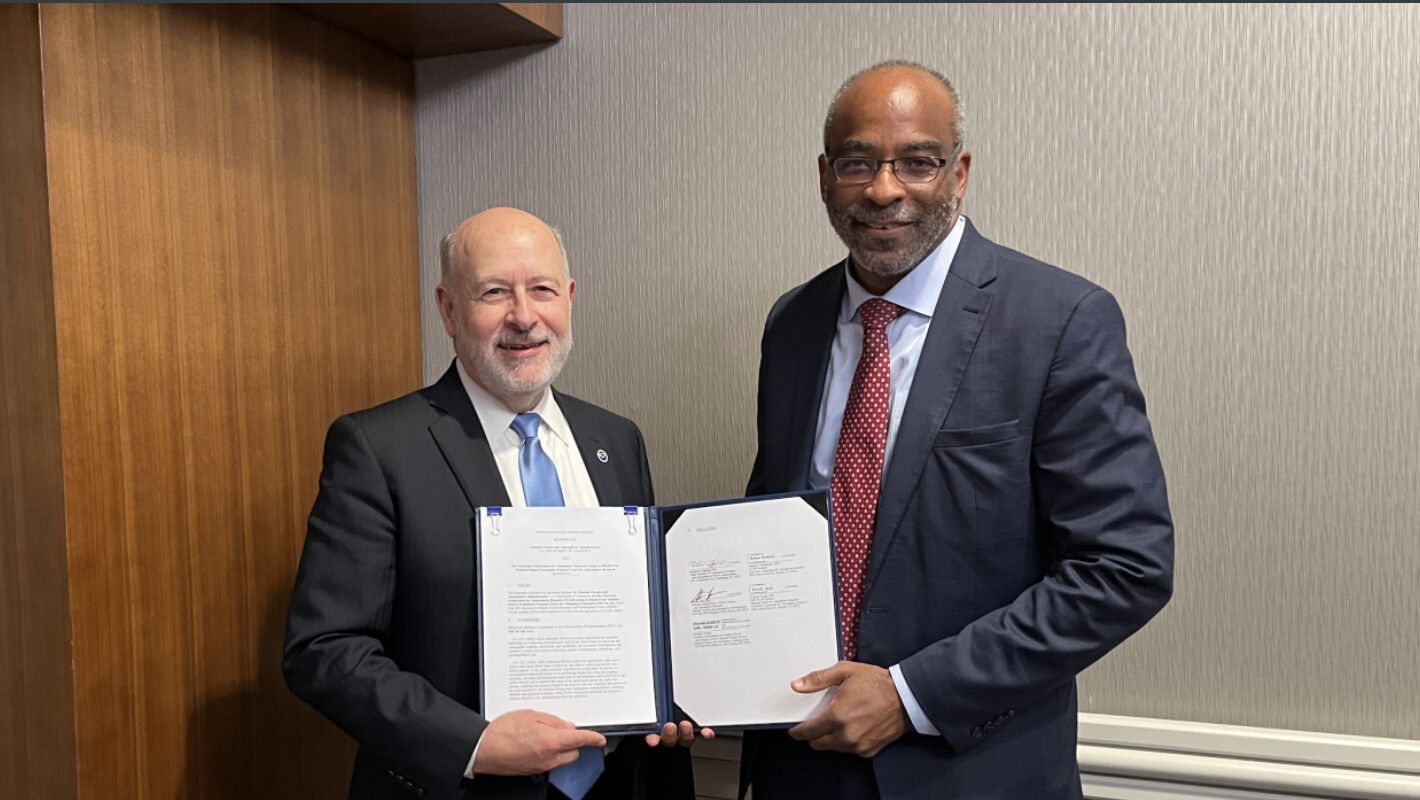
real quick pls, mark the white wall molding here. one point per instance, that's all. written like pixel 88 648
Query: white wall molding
pixel 1136 758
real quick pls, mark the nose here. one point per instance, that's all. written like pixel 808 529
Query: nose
pixel 885 189
pixel 522 315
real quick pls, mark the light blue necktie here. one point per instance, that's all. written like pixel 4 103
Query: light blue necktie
pixel 541 488
pixel 539 474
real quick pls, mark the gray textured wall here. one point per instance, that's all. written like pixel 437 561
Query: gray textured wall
pixel 1242 178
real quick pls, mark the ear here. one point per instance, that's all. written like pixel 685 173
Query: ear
pixel 963 167
pixel 445 299
pixel 825 177
pixel 571 290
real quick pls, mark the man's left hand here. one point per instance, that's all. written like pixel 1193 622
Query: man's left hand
pixel 673 736
pixel 864 717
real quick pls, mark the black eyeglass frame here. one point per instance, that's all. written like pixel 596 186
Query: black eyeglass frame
pixel 879 162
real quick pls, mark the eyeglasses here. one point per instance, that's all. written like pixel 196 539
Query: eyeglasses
pixel 908 169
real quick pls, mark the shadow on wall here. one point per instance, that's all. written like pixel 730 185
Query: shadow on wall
pixel 242 745
pixel 472 67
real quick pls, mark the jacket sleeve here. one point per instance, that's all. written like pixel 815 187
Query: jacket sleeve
pixel 339 621
pixel 646 487
pixel 1101 501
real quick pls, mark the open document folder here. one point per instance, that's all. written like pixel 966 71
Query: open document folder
pixel 622 619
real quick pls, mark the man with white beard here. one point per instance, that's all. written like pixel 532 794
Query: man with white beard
pixel 382 635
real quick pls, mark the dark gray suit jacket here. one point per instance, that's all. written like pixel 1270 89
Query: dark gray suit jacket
pixel 1023 528
pixel 382 631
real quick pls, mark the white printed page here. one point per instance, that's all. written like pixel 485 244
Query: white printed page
pixel 566 615
pixel 752 607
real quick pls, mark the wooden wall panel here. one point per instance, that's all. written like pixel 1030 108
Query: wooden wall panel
pixel 232 196
pixel 430 30
pixel 36 698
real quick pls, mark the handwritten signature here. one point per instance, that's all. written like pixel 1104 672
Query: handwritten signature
pixel 703 596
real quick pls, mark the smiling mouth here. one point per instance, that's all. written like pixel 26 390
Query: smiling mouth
pixel 885 227
pixel 520 347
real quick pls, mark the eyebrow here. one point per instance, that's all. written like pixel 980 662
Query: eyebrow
pixel 855 146
pixel 925 144
pixel 533 280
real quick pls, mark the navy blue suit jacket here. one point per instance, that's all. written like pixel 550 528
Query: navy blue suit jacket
pixel 1023 527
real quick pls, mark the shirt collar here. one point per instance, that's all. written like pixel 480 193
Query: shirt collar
pixel 919 289
pixel 497 420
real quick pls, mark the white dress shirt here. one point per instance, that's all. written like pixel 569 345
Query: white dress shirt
pixel 555 436
pixel 917 295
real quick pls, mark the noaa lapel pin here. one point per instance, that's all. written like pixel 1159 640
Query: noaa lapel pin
pixel 602 456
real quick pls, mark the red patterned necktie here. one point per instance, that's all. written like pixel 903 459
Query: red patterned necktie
pixel 858 466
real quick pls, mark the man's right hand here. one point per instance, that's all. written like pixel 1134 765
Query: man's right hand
pixel 527 742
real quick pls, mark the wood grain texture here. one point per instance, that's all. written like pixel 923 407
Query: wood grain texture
pixel 547 16
pixel 1241 177
pixel 232 194
pixel 36 694
pixel 426 30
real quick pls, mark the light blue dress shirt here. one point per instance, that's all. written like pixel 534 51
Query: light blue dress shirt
pixel 917 294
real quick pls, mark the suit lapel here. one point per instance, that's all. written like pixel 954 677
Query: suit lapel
pixel 592 445
pixel 956 323
pixel 459 435
pixel 815 342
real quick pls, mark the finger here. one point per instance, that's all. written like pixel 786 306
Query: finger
pixel 551 720
pixel 666 738
pixel 707 733
pixel 573 739
pixel 821 679
pixel 589 739
pixel 833 741
pixel 562 758
pixel 687 733
pixel 813 727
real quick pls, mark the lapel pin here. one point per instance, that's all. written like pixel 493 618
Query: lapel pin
pixel 602 456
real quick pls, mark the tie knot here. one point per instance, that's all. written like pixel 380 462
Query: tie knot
pixel 876 313
pixel 526 425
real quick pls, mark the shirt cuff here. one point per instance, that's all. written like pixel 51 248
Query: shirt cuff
pixel 468 773
pixel 920 723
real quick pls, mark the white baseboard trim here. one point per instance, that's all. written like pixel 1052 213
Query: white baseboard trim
pixel 1136 758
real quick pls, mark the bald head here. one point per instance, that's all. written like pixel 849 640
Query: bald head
pixel 497 230
pixel 881 79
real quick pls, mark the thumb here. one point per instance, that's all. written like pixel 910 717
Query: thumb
pixel 820 679
pixel 589 739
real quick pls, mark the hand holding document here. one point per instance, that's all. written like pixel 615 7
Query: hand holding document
pixel 862 715
pixel 528 742
pixel 623 618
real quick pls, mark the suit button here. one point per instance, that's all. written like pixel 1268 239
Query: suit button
pixel 418 792
pixel 976 733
